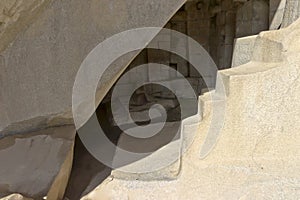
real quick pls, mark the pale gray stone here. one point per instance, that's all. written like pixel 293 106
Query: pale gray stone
pixel 15 16
pixel 243 50
pixel 38 69
pixel 291 13
pixel 15 197
pixel 277 8
pixel 257 153
pixel 37 162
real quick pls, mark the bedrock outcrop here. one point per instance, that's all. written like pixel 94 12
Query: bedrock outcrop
pixel 42 44
pixel 257 152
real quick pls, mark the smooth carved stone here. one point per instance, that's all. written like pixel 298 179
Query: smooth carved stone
pixel 277 8
pixel 243 50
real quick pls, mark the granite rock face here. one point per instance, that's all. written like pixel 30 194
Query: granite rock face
pixel 257 152
pixel 15 197
pixel 41 63
pixel 16 15
pixel 277 8
pixel 291 13
pixel 243 50
pixel 42 44
pixel 34 163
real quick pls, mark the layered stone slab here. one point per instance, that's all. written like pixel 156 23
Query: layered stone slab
pixel 37 164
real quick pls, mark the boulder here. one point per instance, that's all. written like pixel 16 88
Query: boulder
pixel 15 197
pixel 42 45
pixel 37 163
pixel 41 63
pixel 243 50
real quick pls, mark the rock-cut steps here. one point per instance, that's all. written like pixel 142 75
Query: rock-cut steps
pixel 254 154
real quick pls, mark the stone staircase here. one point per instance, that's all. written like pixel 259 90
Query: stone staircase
pixel 253 153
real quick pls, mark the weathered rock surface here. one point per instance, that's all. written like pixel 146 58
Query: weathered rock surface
pixel 243 50
pixel 15 197
pixel 41 63
pixel 257 153
pixel 277 8
pixel 42 44
pixel 34 163
pixel 291 13
pixel 16 15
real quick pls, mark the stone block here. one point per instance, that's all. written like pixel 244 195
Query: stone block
pixel 41 63
pixel 15 197
pixel 37 162
pixel 243 50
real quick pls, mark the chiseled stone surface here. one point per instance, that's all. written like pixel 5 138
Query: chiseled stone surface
pixel 36 163
pixel 257 153
pixel 37 70
pixel 243 50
